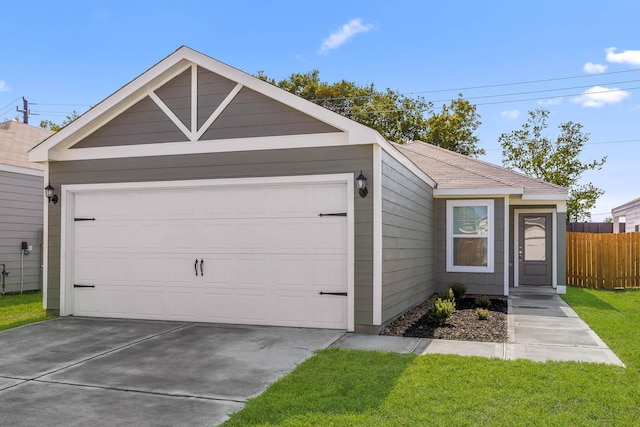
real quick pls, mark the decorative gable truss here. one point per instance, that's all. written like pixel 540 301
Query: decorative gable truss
pixel 190 103
pixel 198 105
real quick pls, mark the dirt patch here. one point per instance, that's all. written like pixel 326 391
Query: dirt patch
pixel 464 324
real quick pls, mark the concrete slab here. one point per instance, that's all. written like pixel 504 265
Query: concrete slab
pixel 546 322
pixel 377 343
pixel 202 360
pixel 543 353
pixel 569 337
pixel 462 348
pixel 9 382
pixel 36 349
pixel 44 404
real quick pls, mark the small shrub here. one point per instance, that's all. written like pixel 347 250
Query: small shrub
pixel 483 301
pixel 459 289
pixel 483 313
pixel 442 310
pixel 447 295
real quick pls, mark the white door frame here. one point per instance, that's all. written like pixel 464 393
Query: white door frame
pixel 67 236
pixel 554 243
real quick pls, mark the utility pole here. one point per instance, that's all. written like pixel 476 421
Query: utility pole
pixel 25 111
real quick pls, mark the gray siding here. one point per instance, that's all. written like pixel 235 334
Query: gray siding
pixel 307 161
pixel 143 123
pixel 476 283
pixel 252 114
pixel 407 239
pixel 21 206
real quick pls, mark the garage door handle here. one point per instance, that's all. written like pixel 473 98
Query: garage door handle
pixel 342 294
pixel 196 267
pixel 201 268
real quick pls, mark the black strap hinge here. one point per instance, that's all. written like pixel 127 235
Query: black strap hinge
pixel 84 286
pixel 333 214
pixel 84 219
pixel 341 294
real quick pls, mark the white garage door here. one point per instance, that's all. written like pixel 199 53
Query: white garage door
pixel 237 254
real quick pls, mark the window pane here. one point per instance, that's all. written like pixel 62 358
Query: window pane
pixel 470 220
pixel 470 251
pixel 534 239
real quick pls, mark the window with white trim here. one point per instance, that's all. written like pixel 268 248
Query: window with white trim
pixel 470 236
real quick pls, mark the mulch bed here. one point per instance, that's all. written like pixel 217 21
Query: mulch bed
pixel 464 324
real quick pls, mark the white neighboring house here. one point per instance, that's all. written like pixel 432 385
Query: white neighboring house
pixel 630 211
pixel 21 207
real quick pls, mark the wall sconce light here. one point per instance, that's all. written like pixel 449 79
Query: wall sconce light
pixel 48 191
pixel 361 183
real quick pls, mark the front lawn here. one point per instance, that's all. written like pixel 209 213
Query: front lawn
pixel 16 310
pixel 347 387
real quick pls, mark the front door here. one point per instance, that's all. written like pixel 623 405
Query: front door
pixel 534 249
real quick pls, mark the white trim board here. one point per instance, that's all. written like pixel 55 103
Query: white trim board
pixel 377 235
pixel 67 214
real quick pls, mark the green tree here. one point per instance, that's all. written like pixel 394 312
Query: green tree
pixel 454 128
pixel 48 124
pixel 530 151
pixel 395 116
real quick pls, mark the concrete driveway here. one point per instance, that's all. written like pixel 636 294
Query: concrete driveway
pixel 78 371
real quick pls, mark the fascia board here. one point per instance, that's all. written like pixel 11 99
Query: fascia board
pixel 477 192
pixel 555 197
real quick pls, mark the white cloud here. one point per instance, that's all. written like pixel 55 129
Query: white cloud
pixel 552 101
pixel 625 57
pixel 592 68
pixel 4 87
pixel 339 37
pixel 599 96
pixel 510 114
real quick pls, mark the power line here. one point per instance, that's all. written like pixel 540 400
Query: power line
pixel 525 82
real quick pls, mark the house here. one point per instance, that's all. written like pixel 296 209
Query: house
pixel 20 208
pixel 630 211
pixel 197 192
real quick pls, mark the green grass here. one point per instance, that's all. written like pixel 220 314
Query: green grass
pixel 16 310
pixel 358 388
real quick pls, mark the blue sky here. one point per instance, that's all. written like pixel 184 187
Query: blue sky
pixel 581 58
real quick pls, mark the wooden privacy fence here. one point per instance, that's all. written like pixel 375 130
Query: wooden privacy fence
pixel 603 261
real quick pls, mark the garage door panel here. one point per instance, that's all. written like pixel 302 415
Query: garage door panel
pixel 217 306
pixel 292 272
pixel 219 203
pixel 330 235
pixel 329 272
pixel 218 235
pixel 291 308
pixel 150 236
pixel 149 301
pixel 329 310
pixel 266 254
pixel 219 271
pixel 117 269
pixel 150 269
pixel 252 201
pixel 292 235
pixel 252 307
pixel 182 304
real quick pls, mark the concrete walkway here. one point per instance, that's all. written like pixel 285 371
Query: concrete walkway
pixel 541 327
